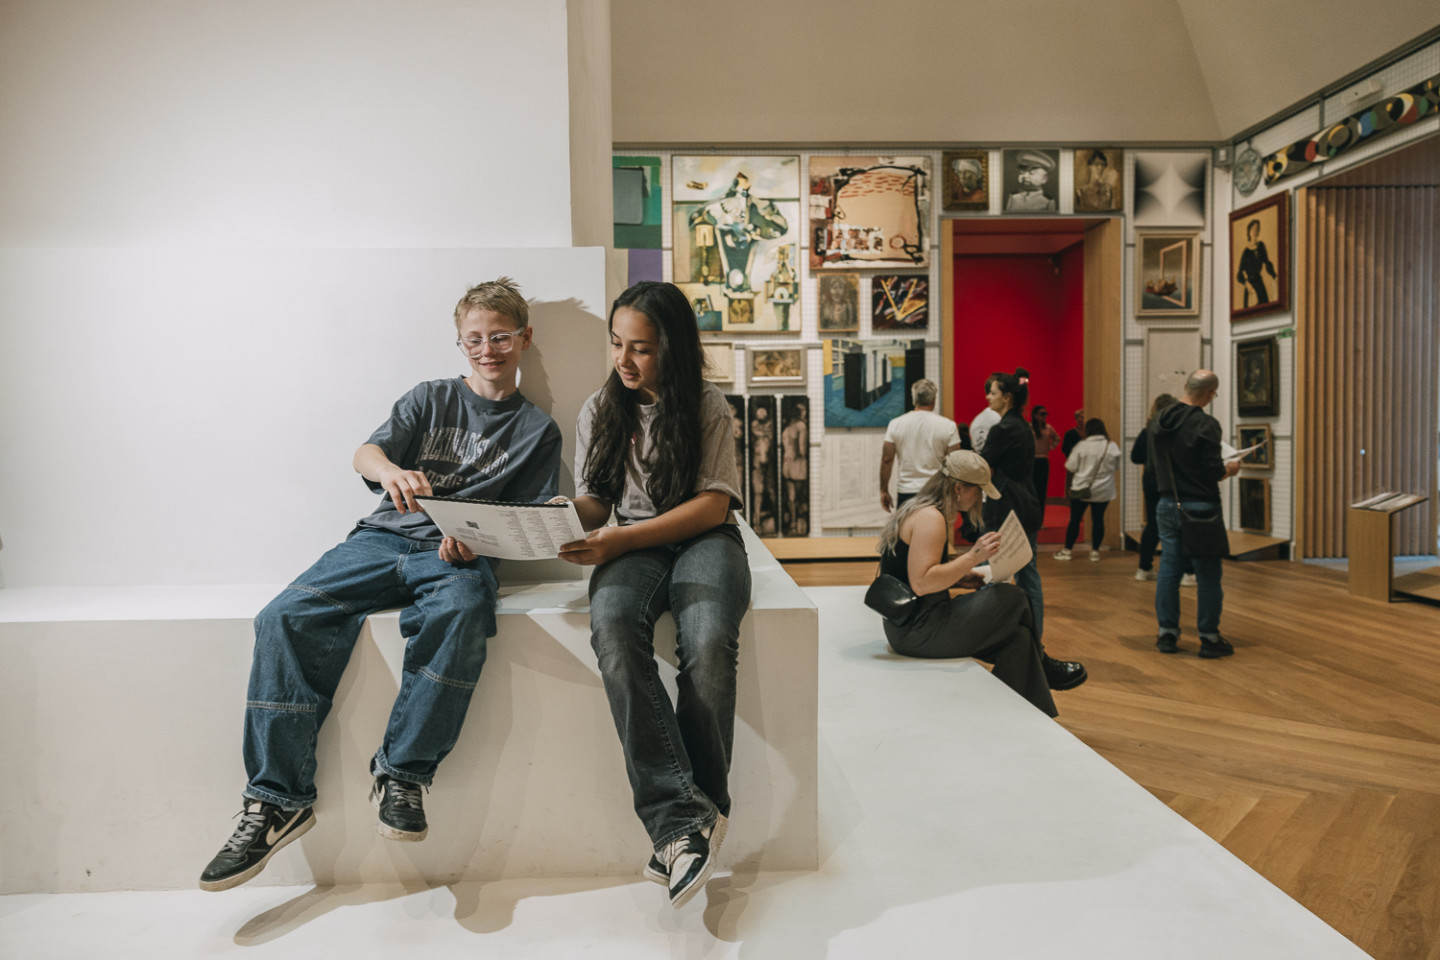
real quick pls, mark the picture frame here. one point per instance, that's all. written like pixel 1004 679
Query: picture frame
pixel 1257 378
pixel 899 303
pixel 776 366
pixel 1260 258
pixel 719 360
pixel 1250 434
pixel 1031 180
pixel 1255 504
pixel 1099 180
pixel 869 212
pixel 839 296
pixel 1167 273
pixel 965 180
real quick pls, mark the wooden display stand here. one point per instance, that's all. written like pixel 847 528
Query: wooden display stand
pixel 1369 536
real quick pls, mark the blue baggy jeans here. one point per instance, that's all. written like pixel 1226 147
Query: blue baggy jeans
pixel 1209 595
pixel 304 638
pixel 677 757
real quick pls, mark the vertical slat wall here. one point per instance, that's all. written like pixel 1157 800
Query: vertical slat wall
pixel 1368 344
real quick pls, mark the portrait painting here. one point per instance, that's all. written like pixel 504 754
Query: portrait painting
pixel 736 232
pixel 1257 378
pixel 764 502
pixel 839 296
pixel 1260 258
pixel 1256 435
pixel 1099 180
pixel 719 361
pixel 869 212
pixel 739 430
pixel 1255 504
pixel 1167 274
pixel 1170 189
pixel 794 466
pixel 636 187
pixel 776 366
pixel 899 303
pixel 1032 181
pixel 966 179
pixel 867 383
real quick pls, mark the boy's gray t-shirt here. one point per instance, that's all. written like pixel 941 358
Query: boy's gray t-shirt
pixel 467 446
pixel 717 456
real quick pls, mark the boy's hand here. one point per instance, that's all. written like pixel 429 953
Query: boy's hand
pixel 454 551
pixel 404 486
pixel 600 546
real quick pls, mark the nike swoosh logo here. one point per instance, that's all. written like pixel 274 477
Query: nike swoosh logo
pixel 274 833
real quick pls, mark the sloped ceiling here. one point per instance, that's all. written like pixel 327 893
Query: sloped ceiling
pixel 703 72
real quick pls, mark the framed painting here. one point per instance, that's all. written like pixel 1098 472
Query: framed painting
pixel 1170 189
pixel 869 212
pixel 1257 378
pixel 776 366
pixel 1254 435
pixel 1255 504
pixel 719 362
pixel 899 303
pixel 635 183
pixel 764 479
pixel 742 449
pixel 1099 180
pixel 867 383
pixel 1167 274
pixel 966 180
pixel 736 256
pixel 1260 258
pixel 1031 181
pixel 839 303
pixel 794 465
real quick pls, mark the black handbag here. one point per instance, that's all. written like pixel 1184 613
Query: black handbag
pixel 893 599
pixel 1203 538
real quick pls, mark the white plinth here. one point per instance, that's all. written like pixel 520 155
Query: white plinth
pixel 122 746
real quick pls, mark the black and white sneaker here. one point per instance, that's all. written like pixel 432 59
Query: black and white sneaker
pixel 689 861
pixel 264 828
pixel 402 813
pixel 656 871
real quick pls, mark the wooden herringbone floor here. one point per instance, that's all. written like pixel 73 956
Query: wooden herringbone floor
pixel 1313 754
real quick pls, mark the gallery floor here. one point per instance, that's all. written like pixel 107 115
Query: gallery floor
pixel 956 820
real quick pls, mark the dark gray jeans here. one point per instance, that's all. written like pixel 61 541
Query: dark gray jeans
pixel 677 757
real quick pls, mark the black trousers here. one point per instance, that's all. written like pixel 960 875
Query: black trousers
pixel 1097 522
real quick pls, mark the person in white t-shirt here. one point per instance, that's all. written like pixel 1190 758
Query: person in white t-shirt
pixel 918 442
pixel 981 423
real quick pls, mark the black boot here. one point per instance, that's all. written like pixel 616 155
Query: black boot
pixel 1063 674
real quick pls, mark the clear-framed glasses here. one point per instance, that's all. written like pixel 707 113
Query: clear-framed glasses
pixel 499 342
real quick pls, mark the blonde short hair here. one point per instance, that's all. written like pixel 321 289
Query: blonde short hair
pixel 501 295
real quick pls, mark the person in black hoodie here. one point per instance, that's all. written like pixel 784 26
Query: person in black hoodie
pixel 1184 449
pixel 1010 451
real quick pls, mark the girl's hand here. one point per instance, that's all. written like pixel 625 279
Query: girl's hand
pixel 986 547
pixel 601 546
pixel 453 551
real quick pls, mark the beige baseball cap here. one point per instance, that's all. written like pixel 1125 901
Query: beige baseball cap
pixel 969 467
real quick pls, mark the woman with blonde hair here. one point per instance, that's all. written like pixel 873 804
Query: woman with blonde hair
pixel 994 624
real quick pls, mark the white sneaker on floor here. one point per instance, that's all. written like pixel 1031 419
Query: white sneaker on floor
pixel 1143 575
pixel 1094 556
pixel 1187 580
pixel 1062 554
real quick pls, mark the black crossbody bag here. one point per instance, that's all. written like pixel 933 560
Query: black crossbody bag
pixel 893 599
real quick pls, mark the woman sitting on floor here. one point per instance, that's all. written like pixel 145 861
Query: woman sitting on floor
pixel 995 624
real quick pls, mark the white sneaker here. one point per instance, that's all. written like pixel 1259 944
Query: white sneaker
pixel 1143 575
pixel 1062 554
pixel 1094 556
pixel 1187 580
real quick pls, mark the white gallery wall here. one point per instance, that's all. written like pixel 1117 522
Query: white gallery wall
pixel 231 235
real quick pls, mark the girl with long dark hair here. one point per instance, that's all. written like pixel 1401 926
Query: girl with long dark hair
pixel 655 446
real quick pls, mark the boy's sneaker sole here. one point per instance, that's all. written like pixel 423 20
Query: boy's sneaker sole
pixel 299 829
pixel 655 871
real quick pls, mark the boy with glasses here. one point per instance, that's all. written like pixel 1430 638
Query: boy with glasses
pixel 473 436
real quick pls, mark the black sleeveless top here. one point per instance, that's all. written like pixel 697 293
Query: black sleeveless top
pixel 897 563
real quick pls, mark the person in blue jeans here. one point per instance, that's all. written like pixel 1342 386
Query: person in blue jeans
pixel 654 445
pixel 1184 450
pixel 473 436
pixel 1010 451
